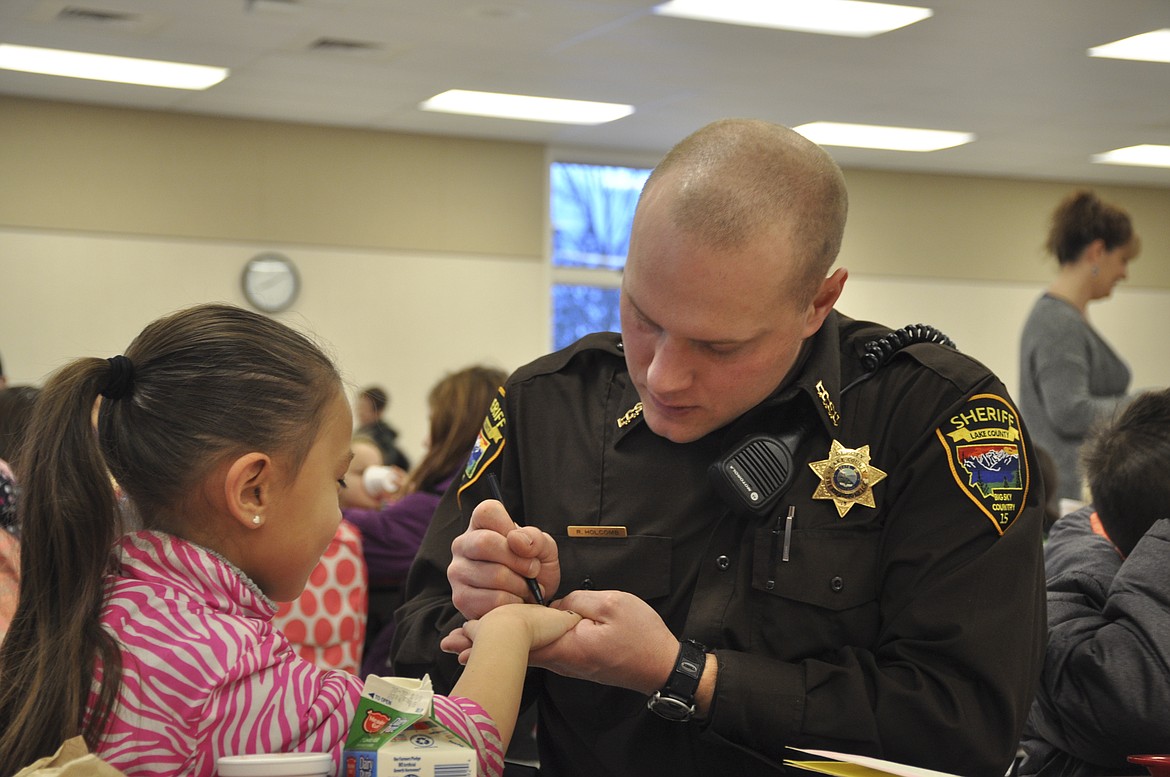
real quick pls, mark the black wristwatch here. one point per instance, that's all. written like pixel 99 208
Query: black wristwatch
pixel 676 700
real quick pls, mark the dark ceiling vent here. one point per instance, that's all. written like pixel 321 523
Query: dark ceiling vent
pixel 271 5
pixel 344 46
pixel 94 16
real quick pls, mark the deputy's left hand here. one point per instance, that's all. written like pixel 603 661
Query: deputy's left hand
pixel 621 642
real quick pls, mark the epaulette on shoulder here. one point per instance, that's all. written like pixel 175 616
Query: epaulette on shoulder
pixel 598 344
pixel 879 351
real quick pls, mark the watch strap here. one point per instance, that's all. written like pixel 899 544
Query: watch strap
pixel 676 700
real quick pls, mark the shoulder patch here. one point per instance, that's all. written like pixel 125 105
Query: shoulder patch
pixel 985 451
pixel 489 442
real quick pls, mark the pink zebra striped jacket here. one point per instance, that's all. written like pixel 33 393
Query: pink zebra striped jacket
pixel 205 673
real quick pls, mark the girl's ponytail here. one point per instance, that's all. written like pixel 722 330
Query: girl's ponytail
pixel 69 522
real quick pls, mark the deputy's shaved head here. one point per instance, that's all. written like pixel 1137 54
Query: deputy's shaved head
pixel 735 178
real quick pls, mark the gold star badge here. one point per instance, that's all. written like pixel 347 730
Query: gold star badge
pixel 846 477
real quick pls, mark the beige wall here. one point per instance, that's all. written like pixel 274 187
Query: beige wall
pixel 985 229
pixel 171 175
pixel 400 319
pixel 423 254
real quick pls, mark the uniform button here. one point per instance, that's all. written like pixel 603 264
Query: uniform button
pixel 836 583
pixel 723 562
pixel 587 584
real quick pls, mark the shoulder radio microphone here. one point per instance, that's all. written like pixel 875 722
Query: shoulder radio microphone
pixel 754 473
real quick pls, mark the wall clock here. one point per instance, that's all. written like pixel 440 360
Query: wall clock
pixel 271 282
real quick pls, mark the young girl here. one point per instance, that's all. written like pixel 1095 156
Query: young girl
pixel 229 434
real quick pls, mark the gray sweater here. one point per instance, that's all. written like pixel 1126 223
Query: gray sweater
pixel 1069 380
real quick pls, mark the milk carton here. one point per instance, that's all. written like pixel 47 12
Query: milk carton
pixel 394 734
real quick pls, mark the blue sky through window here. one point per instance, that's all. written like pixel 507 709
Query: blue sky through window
pixel 580 310
pixel 592 208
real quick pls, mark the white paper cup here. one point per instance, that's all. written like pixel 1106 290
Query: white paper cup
pixel 276 765
pixel 378 480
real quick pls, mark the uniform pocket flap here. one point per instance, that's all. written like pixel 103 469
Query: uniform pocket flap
pixel 831 569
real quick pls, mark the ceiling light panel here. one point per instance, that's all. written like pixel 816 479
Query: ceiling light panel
pixel 525 107
pixel 850 18
pixel 828 133
pixel 1148 47
pixel 1145 155
pixel 102 67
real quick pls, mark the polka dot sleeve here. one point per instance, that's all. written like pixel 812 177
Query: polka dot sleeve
pixel 327 624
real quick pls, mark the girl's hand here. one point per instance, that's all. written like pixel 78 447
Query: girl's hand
pixel 540 626
pixel 495 651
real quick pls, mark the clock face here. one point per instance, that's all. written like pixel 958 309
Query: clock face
pixel 271 282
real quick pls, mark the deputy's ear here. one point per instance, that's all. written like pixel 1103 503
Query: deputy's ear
pixel 823 301
pixel 248 488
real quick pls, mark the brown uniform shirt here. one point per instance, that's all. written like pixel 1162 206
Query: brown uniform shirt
pixel 911 629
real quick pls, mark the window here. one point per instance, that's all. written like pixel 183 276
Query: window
pixel 591 209
pixel 579 309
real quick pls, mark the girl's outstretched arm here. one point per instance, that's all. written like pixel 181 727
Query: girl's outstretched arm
pixel 498 657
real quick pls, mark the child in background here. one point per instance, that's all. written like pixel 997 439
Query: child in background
pixel 391 534
pixel 1104 689
pixel 1127 467
pixel 326 624
pixel 16 406
pixel 229 433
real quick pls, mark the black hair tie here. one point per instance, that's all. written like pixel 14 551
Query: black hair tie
pixel 121 378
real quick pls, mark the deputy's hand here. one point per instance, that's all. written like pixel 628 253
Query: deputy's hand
pixel 621 641
pixel 490 560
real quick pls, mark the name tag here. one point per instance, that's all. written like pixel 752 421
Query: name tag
pixel 597 531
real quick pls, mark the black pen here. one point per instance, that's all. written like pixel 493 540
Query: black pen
pixel 494 485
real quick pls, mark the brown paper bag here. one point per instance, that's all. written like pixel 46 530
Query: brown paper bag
pixel 73 759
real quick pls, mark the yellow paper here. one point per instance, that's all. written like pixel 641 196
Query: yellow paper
pixel 838 768
pixel 847 765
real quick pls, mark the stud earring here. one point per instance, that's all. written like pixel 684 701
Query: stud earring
pixel 1096 271
pixel 257 520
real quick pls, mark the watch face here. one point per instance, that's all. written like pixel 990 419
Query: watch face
pixel 270 282
pixel 670 707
